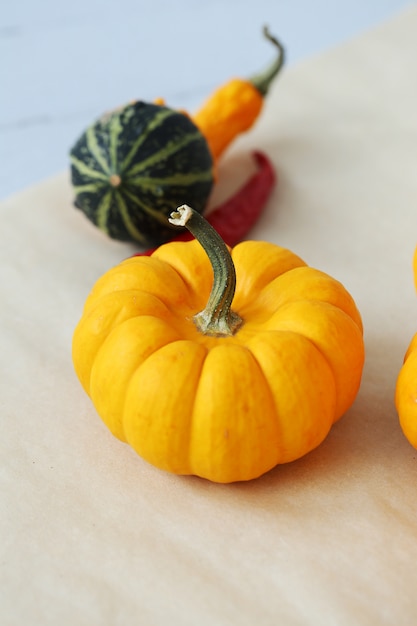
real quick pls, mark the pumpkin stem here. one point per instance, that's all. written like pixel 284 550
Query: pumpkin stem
pixel 263 81
pixel 217 319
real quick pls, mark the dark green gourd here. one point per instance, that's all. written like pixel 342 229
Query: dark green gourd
pixel 133 167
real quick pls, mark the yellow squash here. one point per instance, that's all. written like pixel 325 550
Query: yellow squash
pixel 234 107
pixel 406 387
pixel 215 364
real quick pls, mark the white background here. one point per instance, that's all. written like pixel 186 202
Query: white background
pixel 63 64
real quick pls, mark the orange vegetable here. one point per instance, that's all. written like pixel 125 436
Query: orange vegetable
pixel 216 364
pixel 406 387
pixel 233 108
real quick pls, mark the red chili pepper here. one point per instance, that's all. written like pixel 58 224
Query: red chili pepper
pixel 234 218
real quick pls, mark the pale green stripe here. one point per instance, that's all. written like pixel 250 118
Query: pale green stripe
pixel 170 148
pixel 95 149
pixel 102 212
pixel 115 128
pixel 159 117
pixel 149 182
pixel 130 227
pixel 155 214
pixel 85 170
pixel 91 187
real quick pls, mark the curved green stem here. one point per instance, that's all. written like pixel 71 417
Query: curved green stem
pixel 217 319
pixel 263 81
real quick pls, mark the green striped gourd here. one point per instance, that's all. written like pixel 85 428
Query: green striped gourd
pixel 136 165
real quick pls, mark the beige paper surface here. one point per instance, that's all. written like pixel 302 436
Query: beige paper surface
pixel 91 534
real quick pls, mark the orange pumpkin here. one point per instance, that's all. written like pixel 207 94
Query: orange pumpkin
pixel 216 364
pixel 406 387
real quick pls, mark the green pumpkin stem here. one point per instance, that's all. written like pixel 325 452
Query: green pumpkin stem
pixel 217 319
pixel 262 81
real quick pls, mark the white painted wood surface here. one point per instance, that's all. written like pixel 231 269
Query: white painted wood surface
pixel 63 64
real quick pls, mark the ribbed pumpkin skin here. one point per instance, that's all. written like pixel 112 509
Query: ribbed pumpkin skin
pixel 135 166
pixel 406 385
pixel 406 393
pixel 224 408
